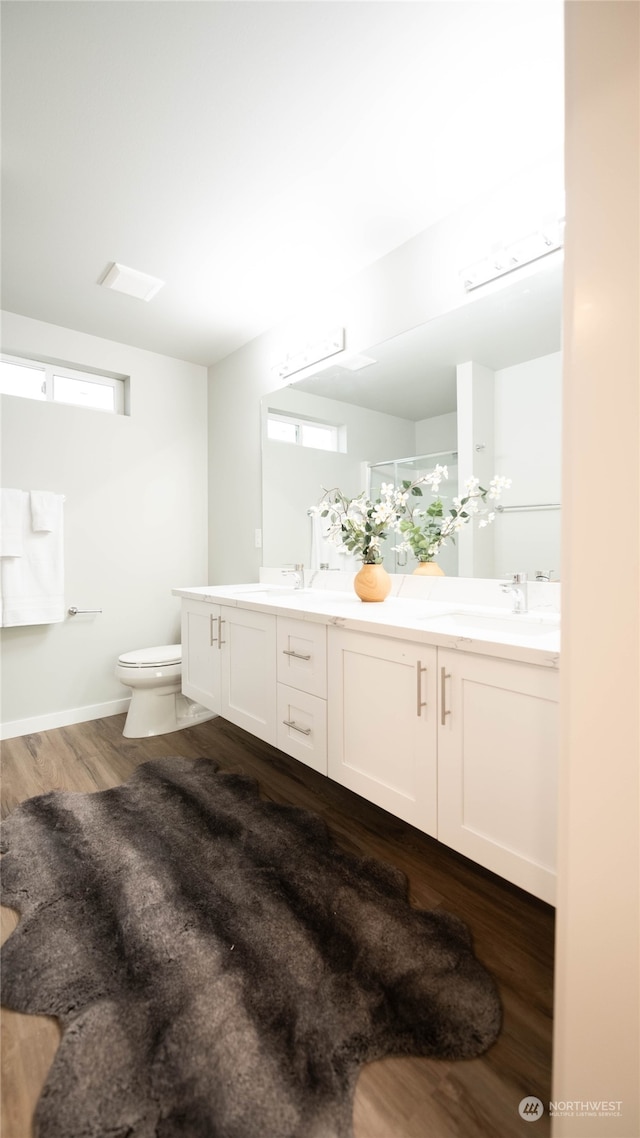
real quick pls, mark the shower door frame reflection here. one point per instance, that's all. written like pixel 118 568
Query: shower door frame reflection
pixel 398 470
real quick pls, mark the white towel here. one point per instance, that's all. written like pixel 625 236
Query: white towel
pixel 11 503
pixel 44 510
pixel 325 552
pixel 32 586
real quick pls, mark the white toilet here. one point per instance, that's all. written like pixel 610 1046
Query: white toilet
pixel 157 704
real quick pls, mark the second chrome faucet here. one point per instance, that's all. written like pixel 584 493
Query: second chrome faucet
pixel 517 586
pixel 297 572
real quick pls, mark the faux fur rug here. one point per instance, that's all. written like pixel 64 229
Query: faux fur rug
pixel 220 969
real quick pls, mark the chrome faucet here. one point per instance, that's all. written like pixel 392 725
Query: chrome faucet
pixel 298 573
pixel 518 587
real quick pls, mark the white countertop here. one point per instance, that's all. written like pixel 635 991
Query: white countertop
pixel 532 637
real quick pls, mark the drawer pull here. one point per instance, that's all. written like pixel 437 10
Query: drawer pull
pixel 221 621
pixel 420 702
pixel 298 655
pixel 444 676
pixel 302 730
pixel 212 638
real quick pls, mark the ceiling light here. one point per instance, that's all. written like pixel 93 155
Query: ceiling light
pixel 130 281
pixel 312 354
pixel 508 258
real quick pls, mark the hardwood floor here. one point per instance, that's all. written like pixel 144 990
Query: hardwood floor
pixel 395 1098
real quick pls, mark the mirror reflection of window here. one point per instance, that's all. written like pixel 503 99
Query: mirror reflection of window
pixel 303 432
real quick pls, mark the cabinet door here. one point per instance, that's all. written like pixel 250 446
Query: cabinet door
pixel 248 677
pixel 497 765
pixel 200 653
pixel 382 722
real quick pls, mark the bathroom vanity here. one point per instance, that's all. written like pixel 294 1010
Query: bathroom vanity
pixel 444 714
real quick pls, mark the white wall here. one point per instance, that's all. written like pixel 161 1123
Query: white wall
pixel 135 519
pixel 293 476
pixel 528 449
pixel 597 1023
pixel 476 428
pixel 439 433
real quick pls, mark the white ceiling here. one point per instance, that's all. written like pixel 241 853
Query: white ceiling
pixel 251 153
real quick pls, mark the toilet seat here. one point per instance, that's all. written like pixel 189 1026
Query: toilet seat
pixel 162 657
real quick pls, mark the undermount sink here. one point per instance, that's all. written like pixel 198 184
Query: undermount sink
pixel 512 624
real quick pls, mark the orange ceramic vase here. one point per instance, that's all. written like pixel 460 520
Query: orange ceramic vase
pixel 372 583
pixel 428 569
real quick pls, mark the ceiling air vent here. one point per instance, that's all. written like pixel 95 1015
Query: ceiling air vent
pixel 131 282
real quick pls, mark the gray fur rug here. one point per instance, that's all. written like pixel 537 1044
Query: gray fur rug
pixel 219 968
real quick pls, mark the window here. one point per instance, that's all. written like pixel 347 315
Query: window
pixel 56 383
pixel 304 432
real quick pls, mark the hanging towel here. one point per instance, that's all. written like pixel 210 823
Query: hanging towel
pixel 326 552
pixel 11 503
pixel 44 510
pixel 32 586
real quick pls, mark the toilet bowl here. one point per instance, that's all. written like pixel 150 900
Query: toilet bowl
pixel 157 703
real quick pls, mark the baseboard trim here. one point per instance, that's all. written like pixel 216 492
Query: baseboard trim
pixel 62 718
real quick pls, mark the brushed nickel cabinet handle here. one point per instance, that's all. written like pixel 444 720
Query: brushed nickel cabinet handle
pixel 444 676
pixel 298 655
pixel 302 730
pixel 212 638
pixel 420 702
pixel 221 621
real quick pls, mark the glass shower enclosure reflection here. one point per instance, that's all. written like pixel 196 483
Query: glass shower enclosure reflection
pixel 399 470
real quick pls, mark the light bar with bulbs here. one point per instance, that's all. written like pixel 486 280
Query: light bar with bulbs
pixel 508 258
pixel 312 354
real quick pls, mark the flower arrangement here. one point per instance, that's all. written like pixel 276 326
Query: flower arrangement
pixel 426 530
pixel 362 525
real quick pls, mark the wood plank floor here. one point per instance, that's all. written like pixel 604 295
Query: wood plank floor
pixel 395 1098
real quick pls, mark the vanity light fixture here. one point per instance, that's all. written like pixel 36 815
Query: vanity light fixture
pixel 312 354
pixel 131 281
pixel 514 256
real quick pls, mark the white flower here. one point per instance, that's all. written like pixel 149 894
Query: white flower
pixel 472 484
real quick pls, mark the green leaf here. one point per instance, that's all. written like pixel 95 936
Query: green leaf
pixel 416 491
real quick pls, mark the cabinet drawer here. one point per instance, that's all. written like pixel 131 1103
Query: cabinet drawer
pixel 307 740
pixel 302 655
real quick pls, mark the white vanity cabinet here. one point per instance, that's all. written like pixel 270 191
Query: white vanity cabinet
pixel 201 624
pixel 229 664
pixel 382 696
pixel 302 691
pixel 497 765
pixel 461 743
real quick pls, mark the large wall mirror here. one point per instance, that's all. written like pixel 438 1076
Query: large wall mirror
pixel 477 389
